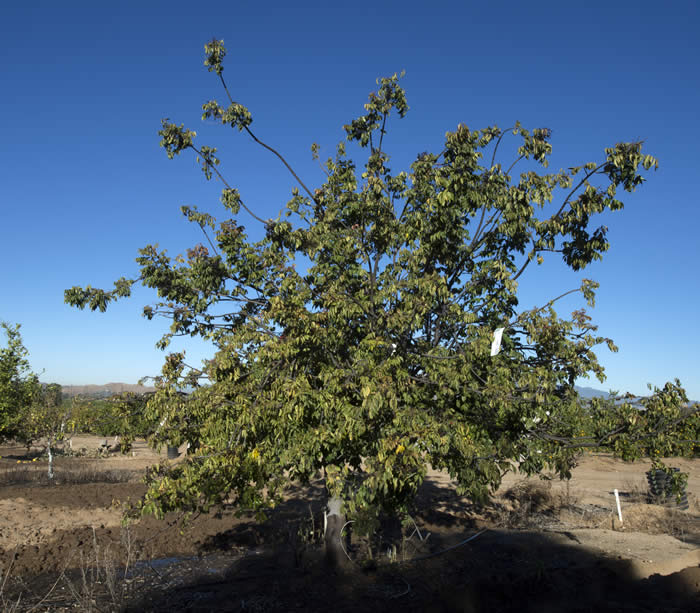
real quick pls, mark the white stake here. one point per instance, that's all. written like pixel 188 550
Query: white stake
pixel 619 510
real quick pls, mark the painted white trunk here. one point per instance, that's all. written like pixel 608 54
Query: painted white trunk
pixel 48 447
pixel 333 526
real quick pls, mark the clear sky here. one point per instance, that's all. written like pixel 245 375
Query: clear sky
pixel 84 184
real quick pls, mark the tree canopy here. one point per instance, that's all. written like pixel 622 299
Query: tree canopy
pixel 375 328
pixel 29 410
pixel 19 386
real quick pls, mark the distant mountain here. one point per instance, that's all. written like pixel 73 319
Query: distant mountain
pixel 104 391
pixel 108 389
pixel 590 392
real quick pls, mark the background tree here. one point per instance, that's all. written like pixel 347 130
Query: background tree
pixel 19 386
pixel 121 415
pixel 374 330
pixel 47 421
pixel 666 426
pixel 30 412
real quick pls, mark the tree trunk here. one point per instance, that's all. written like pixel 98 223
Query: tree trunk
pixel 335 521
pixel 48 448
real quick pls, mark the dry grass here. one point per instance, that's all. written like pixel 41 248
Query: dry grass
pixel 531 504
pixel 101 579
pixel 9 605
pixel 100 584
pixel 635 492
pixel 657 519
pixel 36 473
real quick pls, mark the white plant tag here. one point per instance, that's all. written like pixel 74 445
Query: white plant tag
pixel 496 344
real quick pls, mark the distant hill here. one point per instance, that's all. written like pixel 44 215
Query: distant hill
pixel 104 391
pixel 108 389
pixel 590 392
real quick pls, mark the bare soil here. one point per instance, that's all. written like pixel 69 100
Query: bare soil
pixel 539 546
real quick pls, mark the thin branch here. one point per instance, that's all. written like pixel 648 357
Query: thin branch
pixel 289 168
pixel 209 240
pixel 498 142
pixel 575 189
pixel 557 214
pixel 474 245
pixel 513 164
pixel 382 132
pixel 478 228
pixel 266 146
pixel 228 186
pixel 548 304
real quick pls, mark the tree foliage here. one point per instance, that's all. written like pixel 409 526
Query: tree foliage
pixel 47 421
pixel 122 415
pixel 19 386
pixel 30 411
pixel 355 337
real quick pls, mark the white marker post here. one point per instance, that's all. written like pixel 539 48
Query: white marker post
pixel 619 510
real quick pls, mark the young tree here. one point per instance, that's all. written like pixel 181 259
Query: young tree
pixel 19 386
pixel 47 421
pixel 29 411
pixel 395 341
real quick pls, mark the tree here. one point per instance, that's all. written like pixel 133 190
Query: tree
pixel 19 386
pixel 395 340
pixel 665 426
pixel 47 421
pixel 29 411
pixel 121 415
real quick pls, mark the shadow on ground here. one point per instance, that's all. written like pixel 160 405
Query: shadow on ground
pixel 222 563
pixel 498 571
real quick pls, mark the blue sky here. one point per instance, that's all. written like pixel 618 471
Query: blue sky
pixel 84 184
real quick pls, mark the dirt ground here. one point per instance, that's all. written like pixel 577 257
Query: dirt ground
pixel 540 546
